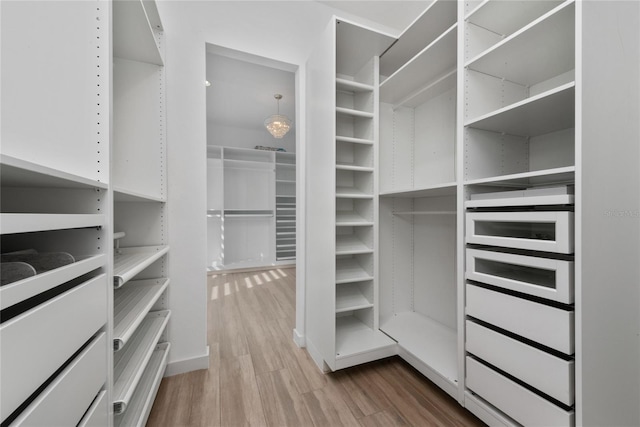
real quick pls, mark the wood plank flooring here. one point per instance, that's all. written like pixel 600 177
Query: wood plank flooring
pixel 257 376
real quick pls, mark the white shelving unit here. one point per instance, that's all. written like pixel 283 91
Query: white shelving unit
pixel 55 198
pixel 285 206
pixel 140 277
pixel 251 208
pixel 343 302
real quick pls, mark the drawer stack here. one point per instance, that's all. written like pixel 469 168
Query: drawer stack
pixel 519 303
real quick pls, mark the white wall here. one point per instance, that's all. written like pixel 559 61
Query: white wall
pixel 284 31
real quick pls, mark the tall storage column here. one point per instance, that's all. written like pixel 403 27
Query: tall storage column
pixel 342 293
pixel 141 280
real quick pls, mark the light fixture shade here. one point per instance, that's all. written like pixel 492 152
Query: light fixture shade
pixel 278 125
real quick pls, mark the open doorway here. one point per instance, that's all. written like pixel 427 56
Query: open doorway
pixel 251 175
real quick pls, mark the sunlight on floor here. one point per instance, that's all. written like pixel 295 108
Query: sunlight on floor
pixel 224 285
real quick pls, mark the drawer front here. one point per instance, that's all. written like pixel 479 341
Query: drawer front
pixel 66 399
pixel 537 231
pixel 98 413
pixel 522 405
pixel 546 325
pixel 36 343
pixel 549 374
pixel 542 277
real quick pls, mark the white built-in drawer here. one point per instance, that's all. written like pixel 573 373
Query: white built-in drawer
pixel 537 231
pixel 522 405
pixel 549 374
pixel 541 277
pixel 67 398
pixel 98 413
pixel 549 326
pixel 38 342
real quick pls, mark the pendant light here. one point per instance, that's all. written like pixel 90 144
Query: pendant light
pixel 278 124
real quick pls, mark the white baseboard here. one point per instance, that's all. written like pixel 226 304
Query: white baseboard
pixel 187 365
pixel 299 339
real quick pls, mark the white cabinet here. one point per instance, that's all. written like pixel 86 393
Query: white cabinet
pixel 68 184
pixel 504 181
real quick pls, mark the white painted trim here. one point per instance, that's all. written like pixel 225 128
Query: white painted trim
pixel 187 365
pixel 299 339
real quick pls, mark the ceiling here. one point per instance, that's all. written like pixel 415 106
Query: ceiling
pixel 243 85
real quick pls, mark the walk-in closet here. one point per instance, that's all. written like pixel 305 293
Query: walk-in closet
pixel 320 212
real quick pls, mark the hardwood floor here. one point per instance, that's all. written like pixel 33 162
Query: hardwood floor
pixel 259 377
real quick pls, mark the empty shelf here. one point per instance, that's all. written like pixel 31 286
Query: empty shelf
pixel 350 244
pixel 437 190
pixel 285 246
pixel 541 114
pixel 431 342
pixel 126 195
pixel 350 297
pixel 354 113
pixel 131 261
pixel 354 337
pixel 286 233
pixel 134 39
pixel 352 193
pixel 349 271
pixel 285 258
pixel 350 219
pixel 26 223
pixel 354 140
pixel 130 363
pixel 352 86
pixel 131 304
pixel 563 175
pixel 356 168
pixel 15 172
pixel 141 403
pixel 21 290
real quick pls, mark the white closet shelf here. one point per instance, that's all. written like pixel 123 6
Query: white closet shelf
pixel 21 290
pixel 124 195
pixel 350 298
pixel 131 261
pixel 418 213
pixel 437 190
pixel 431 64
pixel 430 341
pixel 354 113
pixel 134 37
pixel 131 304
pixel 518 57
pixel 348 244
pixel 16 172
pixel 347 167
pixel 354 337
pixel 279 207
pixel 350 219
pixel 285 181
pixel 251 164
pixel 285 258
pixel 349 271
pixel 286 233
pixel 286 221
pixel 285 165
pixel 130 363
pixel 346 85
pixel 562 199
pixel 140 405
pixel 28 222
pixel 547 112
pixel 354 140
pixel 564 175
pixel 352 193
pixel 429 91
pixel 439 16
pixel 506 17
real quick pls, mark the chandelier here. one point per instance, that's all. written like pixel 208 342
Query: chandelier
pixel 278 125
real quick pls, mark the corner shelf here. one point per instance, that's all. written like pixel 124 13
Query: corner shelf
pixel 351 245
pixel 349 297
pixel 349 271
